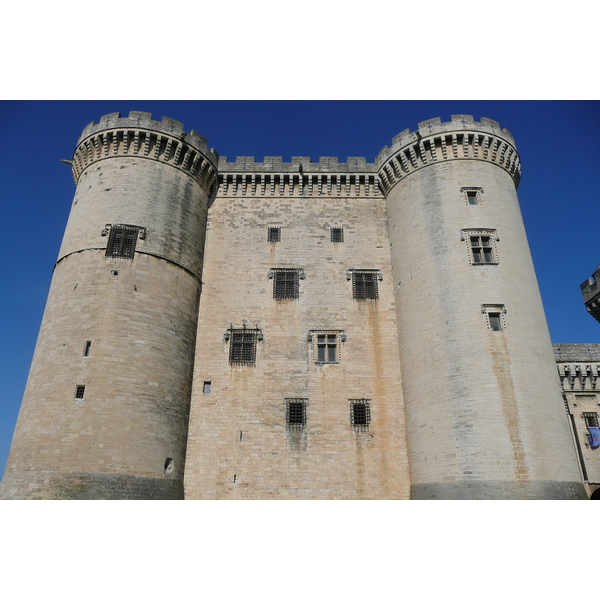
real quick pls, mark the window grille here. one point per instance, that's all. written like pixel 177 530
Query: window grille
pixel 337 234
pixel 121 241
pixel 274 234
pixel 591 419
pixel 295 413
pixel 286 284
pixel 242 347
pixel 360 413
pixel 364 284
pixel 79 392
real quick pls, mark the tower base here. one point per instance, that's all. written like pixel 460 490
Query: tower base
pixel 499 490
pixel 88 486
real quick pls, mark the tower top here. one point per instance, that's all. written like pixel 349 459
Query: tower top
pixel 460 138
pixel 144 120
pixel 140 135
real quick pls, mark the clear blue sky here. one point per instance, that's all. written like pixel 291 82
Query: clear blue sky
pixel 557 142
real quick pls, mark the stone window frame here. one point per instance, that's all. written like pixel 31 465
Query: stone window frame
pixel 467 193
pixel 352 275
pixel 313 339
pixel 122 240
pixel 467 234
pixel 296 419
pixel 360 419
pixel 493 312
pixel 243 343
pixel 280 277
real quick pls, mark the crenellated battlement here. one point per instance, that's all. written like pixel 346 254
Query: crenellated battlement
pixel 459 139
pixel 275 164
pixel 139 135
pixel 300 177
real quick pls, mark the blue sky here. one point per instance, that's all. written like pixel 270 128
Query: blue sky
pixel 557 142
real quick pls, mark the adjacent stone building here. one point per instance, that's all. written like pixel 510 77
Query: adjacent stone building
pixel 223 329
pixel 590 290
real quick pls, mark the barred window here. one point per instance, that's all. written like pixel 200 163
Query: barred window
pixel 364 284
pixel 337 234
pixel 295 412
pixel 274 234
pixel 591 419
pixel 360 413
pixel 286 283
pixel 79 392
pixel 121 241
pixel 242 347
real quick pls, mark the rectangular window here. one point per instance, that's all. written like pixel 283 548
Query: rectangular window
pixel 482 249
pixel 360 413
pixel 295 412
pixel 87 347
pixel 495 321
pixel 122 240
pixel 364 284
pixel 472 194
pixel 494 314
pixel 337 234
pixel 286 284
pixel 327 348
pixel 242 347
pixel 274 234
pixel 79 392
pixel 591 419
pixel 207 387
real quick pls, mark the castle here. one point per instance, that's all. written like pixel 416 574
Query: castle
pixel 302 330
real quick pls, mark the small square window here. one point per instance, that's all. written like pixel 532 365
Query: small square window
pixel 472 195
pixel 79 392
pixel 360 413
pixel 286 284
pixel 364 284
pixel 337 234
pixel 494 314
pixel 242 346
pixel 122 240
pixel 274 234
pixel 295 412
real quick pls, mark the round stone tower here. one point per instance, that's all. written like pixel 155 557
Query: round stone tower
pixel 484 410
pixel 105 410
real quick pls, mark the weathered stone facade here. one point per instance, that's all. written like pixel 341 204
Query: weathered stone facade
pixel 363 331
pixel 579 370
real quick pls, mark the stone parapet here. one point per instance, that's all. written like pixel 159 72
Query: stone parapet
pixel 460 139
pixel 140 136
